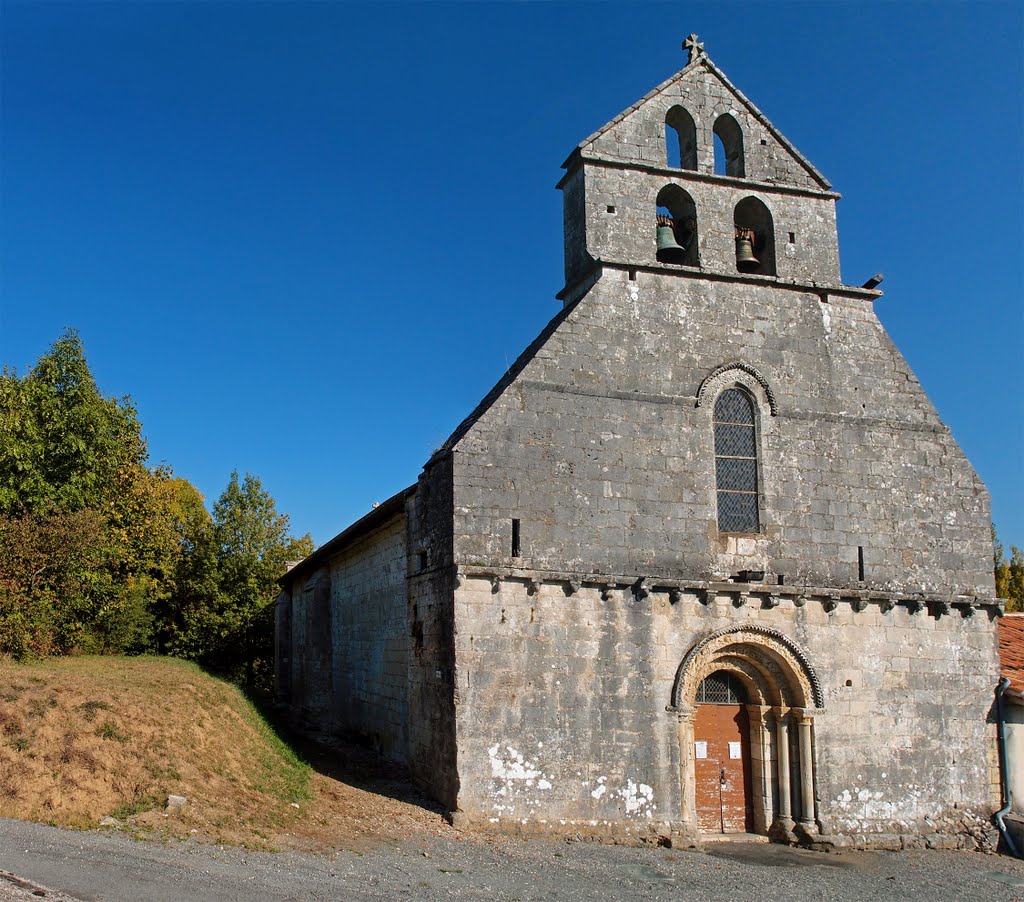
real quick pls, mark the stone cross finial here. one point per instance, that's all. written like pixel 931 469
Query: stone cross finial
pixel 694 47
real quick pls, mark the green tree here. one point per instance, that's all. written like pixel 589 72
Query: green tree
pixel 99 553
pixel 73 479
pixel 231 629
pixel 49 567
pixel 1009 574
pixel 63 446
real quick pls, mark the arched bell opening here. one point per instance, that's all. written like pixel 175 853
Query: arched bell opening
pixel 676 227
pixel 680 139
pixel 728 147
pixel 755 237
pixel 745 698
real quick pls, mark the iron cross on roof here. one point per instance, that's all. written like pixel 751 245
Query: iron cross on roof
pixel 694 47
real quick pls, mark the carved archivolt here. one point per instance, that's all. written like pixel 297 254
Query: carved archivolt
pixel 772 668
pixel 736 374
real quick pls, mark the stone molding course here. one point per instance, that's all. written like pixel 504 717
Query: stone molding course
pixel 767 595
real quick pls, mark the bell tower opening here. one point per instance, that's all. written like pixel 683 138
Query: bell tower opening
pixel 755 238
pixel 729 147
pixel 676 227
pixel 680 139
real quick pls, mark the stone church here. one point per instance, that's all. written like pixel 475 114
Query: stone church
pixel 705 560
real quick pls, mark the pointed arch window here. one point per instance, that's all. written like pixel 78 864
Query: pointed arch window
pixel 736 462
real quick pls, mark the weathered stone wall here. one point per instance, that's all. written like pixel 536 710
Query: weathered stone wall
pixel 614 181
pixel 370 639
pixel 638 137
pixel 563 695
pixel 310 629
pixel 431 736
pixel 620 224
pixel 599 448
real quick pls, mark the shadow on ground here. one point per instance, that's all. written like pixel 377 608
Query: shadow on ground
pixel 774 856
pixel 346 759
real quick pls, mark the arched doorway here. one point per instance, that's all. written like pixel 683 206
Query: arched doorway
pixel 721 739
pixel 754 688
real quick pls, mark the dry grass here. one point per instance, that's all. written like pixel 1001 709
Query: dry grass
pixel 87 737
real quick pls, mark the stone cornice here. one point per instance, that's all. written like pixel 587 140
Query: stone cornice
pixel 765 595
pixel 822 289
pixel 692 175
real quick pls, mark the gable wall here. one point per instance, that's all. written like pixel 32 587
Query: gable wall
pixel 640 136
pixel 599 450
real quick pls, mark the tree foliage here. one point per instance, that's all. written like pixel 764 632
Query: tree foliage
pixel 65 446
pixel 248 542
pixel 101 553
pixel 1009 574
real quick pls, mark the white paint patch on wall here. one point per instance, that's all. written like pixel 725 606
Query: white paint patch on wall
pixel 511 765
pixel 638 797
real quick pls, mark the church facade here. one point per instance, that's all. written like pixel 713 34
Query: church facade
pixel 705 560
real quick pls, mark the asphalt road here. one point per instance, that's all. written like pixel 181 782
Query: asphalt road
pixel 104 866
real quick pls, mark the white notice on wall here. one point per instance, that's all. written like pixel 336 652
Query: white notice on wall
pixel 700 749
pixel 734 750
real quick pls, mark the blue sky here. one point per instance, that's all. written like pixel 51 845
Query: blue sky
pixel 308 238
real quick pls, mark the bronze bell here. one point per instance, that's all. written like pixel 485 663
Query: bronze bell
pixel 745 259
pixel 669 250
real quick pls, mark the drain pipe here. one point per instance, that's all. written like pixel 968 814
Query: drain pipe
pixel 1001 688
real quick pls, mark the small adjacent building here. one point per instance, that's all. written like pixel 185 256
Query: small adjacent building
pixel 705 560
pixel 1011 665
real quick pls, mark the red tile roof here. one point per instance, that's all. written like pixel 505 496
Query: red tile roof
pixel 1011 650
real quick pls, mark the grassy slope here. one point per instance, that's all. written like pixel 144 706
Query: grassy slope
pixel 81 738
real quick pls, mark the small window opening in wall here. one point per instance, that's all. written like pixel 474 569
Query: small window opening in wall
pixel 719 156
pixel 849 682
pixel 792 237
pixel 632 275
pixel 764 143
pixel 782 579
pixel 423 560
pixel 860 563
pixel 516 547
pixel 728 147
pixel 610 208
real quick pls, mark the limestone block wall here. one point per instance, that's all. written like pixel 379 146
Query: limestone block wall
pixel 310 683
pixel 638 136
pixel 620 211
pixel 370 639
pixel 563 694
pixel 602 446
pixel 431 653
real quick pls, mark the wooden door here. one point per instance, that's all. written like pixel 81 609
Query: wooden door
pixel 722 769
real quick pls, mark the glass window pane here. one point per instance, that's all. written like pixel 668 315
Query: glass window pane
pixel 736 474
pixel 721 688
pixel 734 441
pixel 733 406
pixel 737 512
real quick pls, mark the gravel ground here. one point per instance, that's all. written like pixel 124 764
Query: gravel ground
pixel 101 866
